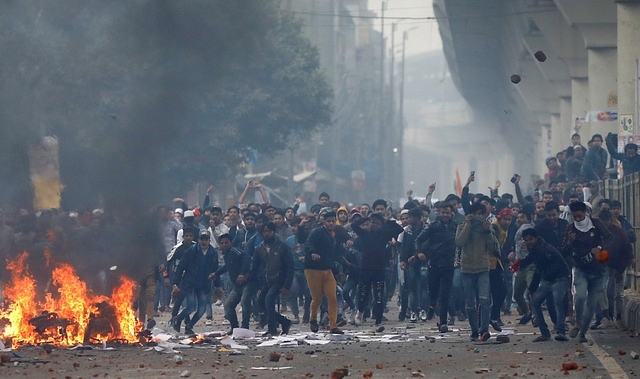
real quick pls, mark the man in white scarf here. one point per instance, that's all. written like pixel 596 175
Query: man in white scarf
pixel 586 239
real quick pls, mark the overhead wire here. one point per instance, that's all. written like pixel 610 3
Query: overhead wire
pixel 426 18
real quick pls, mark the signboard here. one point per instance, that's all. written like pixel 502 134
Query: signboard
pixel 626 125
pixel 612 99
pixel 602 115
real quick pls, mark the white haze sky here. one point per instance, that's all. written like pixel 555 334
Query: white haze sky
pixel 425 37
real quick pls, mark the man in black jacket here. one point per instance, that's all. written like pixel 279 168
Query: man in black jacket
pixel 586 239
pixel 374 258
pixel 173 260
pixel 274 258
pixel 237 263
pixel 555 280
pixel 411 265
pixel 437 245
pixel 321 254
pixel 192 277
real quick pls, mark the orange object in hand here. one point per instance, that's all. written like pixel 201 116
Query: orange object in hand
pixel 603 256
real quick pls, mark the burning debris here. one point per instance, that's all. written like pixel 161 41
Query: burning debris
pixel 72 316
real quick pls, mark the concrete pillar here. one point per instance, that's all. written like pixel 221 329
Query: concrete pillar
pixel 566 123
pixel 628 52
pixel 603 85
pixel 556 132
pixel 580 106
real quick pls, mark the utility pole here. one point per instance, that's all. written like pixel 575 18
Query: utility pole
pixel 383 129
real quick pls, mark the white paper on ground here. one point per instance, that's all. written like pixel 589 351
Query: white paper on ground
pixel 317 342
pixel 162 337
pixel 339 337
pixel 272 368
pixel 186 341
pixel 289 344
pixel 239 333
pixel 506 332
pixel 228 341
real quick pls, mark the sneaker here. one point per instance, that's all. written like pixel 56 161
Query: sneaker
pixel 336 331
pixel 607 323
pixel 379 328
pixel 474 336
pixel 313 325
pixel 561 338
pixel 596 324
pixel 188 330
pixel 352 317
pixel 423 315
pixel 573 333
pixel 430 313
pixel 500 322
pixel 286 326
pixel 225 322
pixel 452 321
pixel 443 328
pixel 150 324
pixel 582 338
pixel 507 312
pixel 209 322
pixel 218 303
pixel 494 324
pixel 413 318
pixel 176 325
pixel 542 338
pixel 461 316
pixel 269 334
pixel 342 322
pixel 525 319
pixel 359 318
pixel 485 336
pixel 296 320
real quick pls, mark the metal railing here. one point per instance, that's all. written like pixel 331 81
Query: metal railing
pixel 627 191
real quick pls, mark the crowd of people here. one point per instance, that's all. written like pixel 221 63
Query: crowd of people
pixel 468 257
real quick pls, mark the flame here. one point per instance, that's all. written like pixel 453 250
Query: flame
pixel 68 314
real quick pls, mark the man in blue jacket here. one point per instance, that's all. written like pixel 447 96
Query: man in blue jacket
pixel 237 263
pixel 192 276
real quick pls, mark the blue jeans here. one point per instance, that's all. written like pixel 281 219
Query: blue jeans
pixel 410 292
pixel 240 294
pixel 477 286
pixel 456 300
pixel 197 301
pixel 299 289
pixel 558 289
pixel 589 289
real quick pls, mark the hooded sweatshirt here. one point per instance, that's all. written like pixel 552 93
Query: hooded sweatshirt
pixel 477 244
pixel 342 209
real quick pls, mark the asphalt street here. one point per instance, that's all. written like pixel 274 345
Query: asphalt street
pixel 403 350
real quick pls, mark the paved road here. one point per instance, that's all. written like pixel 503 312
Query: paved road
pixel 407 354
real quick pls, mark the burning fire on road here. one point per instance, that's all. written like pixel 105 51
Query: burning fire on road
pixel 70 314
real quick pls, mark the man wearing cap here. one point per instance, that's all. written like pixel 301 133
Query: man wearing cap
pixel 189 221
pixel 193 276
pixel 273 258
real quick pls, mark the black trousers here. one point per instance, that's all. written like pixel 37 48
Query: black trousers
pixel 440 283
pixel 372 281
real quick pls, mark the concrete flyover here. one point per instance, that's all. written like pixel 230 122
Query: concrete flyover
pixel 591 67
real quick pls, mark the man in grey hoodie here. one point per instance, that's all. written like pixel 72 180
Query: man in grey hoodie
pixel 475 238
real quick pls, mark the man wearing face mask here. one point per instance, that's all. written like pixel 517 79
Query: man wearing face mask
pixel 586 239
pixel 374 255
